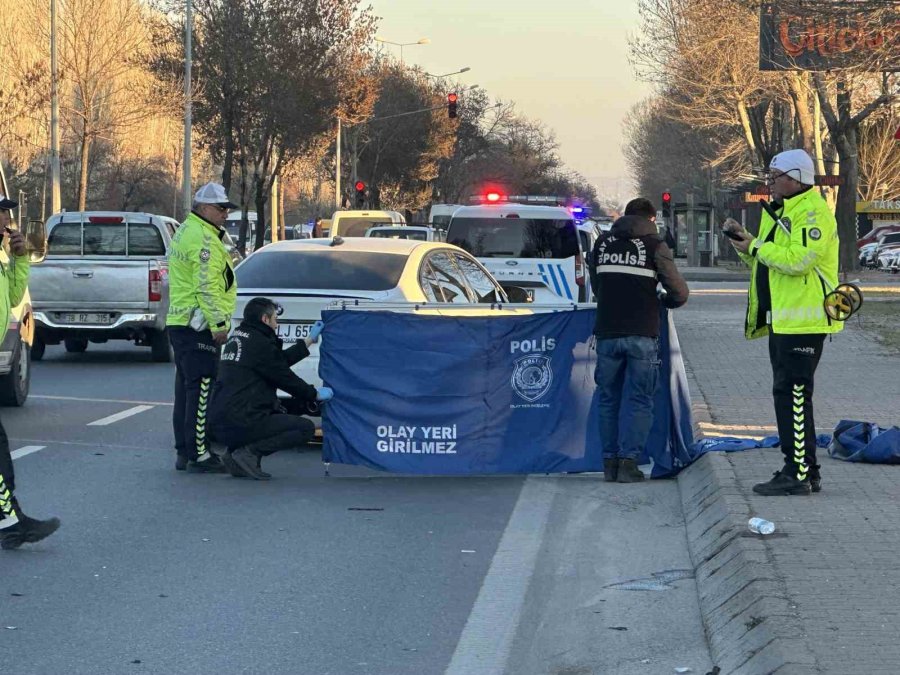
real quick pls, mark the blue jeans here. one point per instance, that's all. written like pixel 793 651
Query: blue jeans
pixel 626 366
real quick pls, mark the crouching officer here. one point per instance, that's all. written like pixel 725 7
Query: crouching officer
pixel 245 414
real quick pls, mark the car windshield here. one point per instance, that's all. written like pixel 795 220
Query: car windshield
pixel 105 238
pixel 328 268
pixel 514 237
pixel 891 238
pixel 356 227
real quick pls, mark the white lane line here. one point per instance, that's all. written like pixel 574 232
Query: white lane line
pixel 487 639
pixel 26 450
pixel 120 416
pixel 99 400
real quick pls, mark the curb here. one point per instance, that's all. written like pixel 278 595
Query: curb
pixel 751 625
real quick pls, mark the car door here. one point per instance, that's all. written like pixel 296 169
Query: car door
pixel 482 286
pixel 442 280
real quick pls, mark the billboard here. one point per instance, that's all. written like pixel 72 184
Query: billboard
pixel 794 35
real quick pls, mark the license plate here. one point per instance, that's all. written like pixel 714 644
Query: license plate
pixel 86 318
pixel 292 332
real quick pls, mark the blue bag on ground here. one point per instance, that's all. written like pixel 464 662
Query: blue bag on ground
pixel 445 395
pixel 856 441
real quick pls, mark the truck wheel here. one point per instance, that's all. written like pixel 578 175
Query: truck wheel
pixel 37 348
pixel 15 384
pixel 160 347
pixel 76 345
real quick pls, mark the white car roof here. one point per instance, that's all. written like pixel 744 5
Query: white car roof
pixel 372 244
pixel 505 209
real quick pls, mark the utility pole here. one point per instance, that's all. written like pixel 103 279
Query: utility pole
pixel 55 191
pixel 337 168
pixel 186 163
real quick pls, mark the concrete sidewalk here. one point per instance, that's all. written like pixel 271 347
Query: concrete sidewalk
pixel 821 595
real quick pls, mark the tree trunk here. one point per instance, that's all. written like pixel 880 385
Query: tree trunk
pixel 848 151
pixel 83 177
pixel 799 93
pixel 259 183
pixel 242 232
pixel 228 158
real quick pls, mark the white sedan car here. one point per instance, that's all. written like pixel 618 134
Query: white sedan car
pixel 304 277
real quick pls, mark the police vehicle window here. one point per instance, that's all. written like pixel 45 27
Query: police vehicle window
pixel 64 239
pixel 480 283
pixel 585 242
pixel 145 239
pixel 356 227
pixel 440 222
pixel 514 237
pixel 429 284
pixel 330 268
pixel 449 279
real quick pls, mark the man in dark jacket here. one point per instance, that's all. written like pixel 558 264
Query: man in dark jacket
pixel 629 261
pixel 246 414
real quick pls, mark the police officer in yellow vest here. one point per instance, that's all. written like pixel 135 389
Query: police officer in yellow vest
pixel 786 302
pixel 15 527
pixel 202 298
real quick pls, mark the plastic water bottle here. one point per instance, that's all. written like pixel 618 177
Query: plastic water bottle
pixel 761 526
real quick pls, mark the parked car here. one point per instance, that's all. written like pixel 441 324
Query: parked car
pixel 304 277
pixel 355 223
pixel 868 255
pixel 417 232
pixel 105 278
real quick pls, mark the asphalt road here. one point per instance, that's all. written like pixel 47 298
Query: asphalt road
pixel 155 571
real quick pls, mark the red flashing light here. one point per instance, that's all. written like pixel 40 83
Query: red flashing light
pixel 492 196
pixel 360 186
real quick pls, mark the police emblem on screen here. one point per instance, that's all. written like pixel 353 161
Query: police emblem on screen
pixel 532 377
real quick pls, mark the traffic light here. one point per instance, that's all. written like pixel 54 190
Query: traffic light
pixel 451 105
pixel 360 194
pixel 667 204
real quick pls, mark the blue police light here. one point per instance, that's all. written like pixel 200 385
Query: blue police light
pixel 577 209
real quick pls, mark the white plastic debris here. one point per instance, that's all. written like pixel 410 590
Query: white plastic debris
pixel 683 670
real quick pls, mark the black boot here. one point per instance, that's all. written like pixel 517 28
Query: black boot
pixel 231 466
pixel 211 464
pixel 610 470
pixel 815 478
pixel 629 472
pixel 27 531
pixel 783 483
pixel 181 463
pixel 246 458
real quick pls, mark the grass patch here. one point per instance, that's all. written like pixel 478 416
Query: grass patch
pixel 883 319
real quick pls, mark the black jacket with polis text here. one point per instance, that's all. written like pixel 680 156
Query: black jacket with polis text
pixel 627 262
pixel 252 369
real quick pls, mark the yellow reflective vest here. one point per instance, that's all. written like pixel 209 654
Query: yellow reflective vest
pixel 796 290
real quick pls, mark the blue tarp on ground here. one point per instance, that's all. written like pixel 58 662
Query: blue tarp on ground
pixel 856 441
pixel 735 444
pixel 445 395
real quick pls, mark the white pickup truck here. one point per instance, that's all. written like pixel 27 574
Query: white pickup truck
pixel 105 278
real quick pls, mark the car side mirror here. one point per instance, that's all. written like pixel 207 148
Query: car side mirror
pixel 35 233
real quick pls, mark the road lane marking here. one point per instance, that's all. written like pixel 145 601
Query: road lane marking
pixel 120 416
pixel 99 400
pixel 27 450
pixel 487 638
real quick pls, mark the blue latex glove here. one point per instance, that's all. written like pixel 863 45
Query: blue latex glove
pixel 324 393
pixel 316 331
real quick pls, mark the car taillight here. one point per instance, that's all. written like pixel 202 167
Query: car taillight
pixel 154 286
pixel 579 270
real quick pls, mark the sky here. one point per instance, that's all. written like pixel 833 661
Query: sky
pixel 563 62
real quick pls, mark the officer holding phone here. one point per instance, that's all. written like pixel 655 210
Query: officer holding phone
pixel 15 527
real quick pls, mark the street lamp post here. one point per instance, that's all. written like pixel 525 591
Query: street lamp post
pixel 186 163
pixel 55 192
pixel 456 72
pixel 421 41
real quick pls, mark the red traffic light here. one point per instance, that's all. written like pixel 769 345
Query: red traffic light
pixel 667 197
pixel 360 186
pixel 452 98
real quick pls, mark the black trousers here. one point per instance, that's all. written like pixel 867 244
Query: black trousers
pixel 196 357
pixel 794 360
pixel 9 508
pixel 278 431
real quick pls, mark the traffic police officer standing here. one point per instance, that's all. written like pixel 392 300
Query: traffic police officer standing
pixel 15 527
pixel 786 302
pixel 202 298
